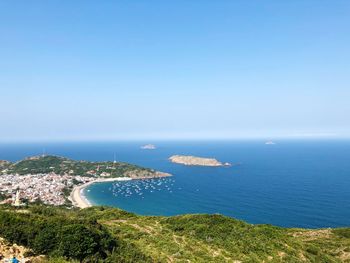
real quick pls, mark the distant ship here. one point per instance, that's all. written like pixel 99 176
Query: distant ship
pixel 270 143
pixel 148 147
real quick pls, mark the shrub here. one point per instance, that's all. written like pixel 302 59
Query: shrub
pixel 342 232
pixel 77 241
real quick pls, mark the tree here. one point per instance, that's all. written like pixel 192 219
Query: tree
pixel 77 241
pixel 45 241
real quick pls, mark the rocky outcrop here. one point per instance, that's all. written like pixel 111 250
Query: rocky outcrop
pixel 193 160
pixel 7 251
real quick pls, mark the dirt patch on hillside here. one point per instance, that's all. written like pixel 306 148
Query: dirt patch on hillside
pixel 7 251
pixel 313 234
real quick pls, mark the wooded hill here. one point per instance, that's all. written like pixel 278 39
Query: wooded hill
pixel 62 165
pixel 101 234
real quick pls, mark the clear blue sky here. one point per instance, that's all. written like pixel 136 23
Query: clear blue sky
pixel 91 70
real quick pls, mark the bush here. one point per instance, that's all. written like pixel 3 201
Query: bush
pixel 45 241
pixel 51 231
pixel 77 241
pixel 313 250
pixel 342 232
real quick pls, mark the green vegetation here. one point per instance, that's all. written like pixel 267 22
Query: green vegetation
pixel 101 234
pixel 2 196
pixel 4 164
pixel 54 232
pixel 61 165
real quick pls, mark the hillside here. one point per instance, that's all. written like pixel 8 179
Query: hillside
pixel 113 235
pixel 62 165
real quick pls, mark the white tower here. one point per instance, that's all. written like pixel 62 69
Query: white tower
pixel 17 201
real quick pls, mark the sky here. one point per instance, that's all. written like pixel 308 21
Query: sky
pixel 120 70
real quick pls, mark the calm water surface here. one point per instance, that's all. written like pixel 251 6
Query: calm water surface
pixel 292 183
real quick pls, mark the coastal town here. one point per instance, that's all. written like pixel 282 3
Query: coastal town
pixel 48 188
pixel 56 180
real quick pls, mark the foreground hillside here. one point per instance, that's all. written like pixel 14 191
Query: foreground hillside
pixel 112 235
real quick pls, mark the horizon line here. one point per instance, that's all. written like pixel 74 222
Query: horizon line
pixel 151 139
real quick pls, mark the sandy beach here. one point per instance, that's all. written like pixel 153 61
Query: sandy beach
pixel 77 196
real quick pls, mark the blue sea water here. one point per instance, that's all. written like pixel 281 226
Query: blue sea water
pixel 291 184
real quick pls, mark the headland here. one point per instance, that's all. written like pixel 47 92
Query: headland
pixel 58 180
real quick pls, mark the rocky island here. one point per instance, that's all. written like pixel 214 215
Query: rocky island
pixel 194 160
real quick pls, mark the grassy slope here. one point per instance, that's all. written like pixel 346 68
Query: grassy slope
pixel 215 238
pixel 205 238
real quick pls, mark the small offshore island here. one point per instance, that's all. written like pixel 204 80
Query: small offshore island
pixel 198 161
pixel 148 147
pixel 56 180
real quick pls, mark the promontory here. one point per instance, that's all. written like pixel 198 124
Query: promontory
pixel 194 160
pixel 51 179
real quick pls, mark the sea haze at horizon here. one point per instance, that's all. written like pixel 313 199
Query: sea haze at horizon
pixel 294 183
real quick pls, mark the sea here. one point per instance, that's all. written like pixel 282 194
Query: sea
pixel 292 183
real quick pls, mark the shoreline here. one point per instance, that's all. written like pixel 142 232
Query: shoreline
pixel 77 196
pixel 79 200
